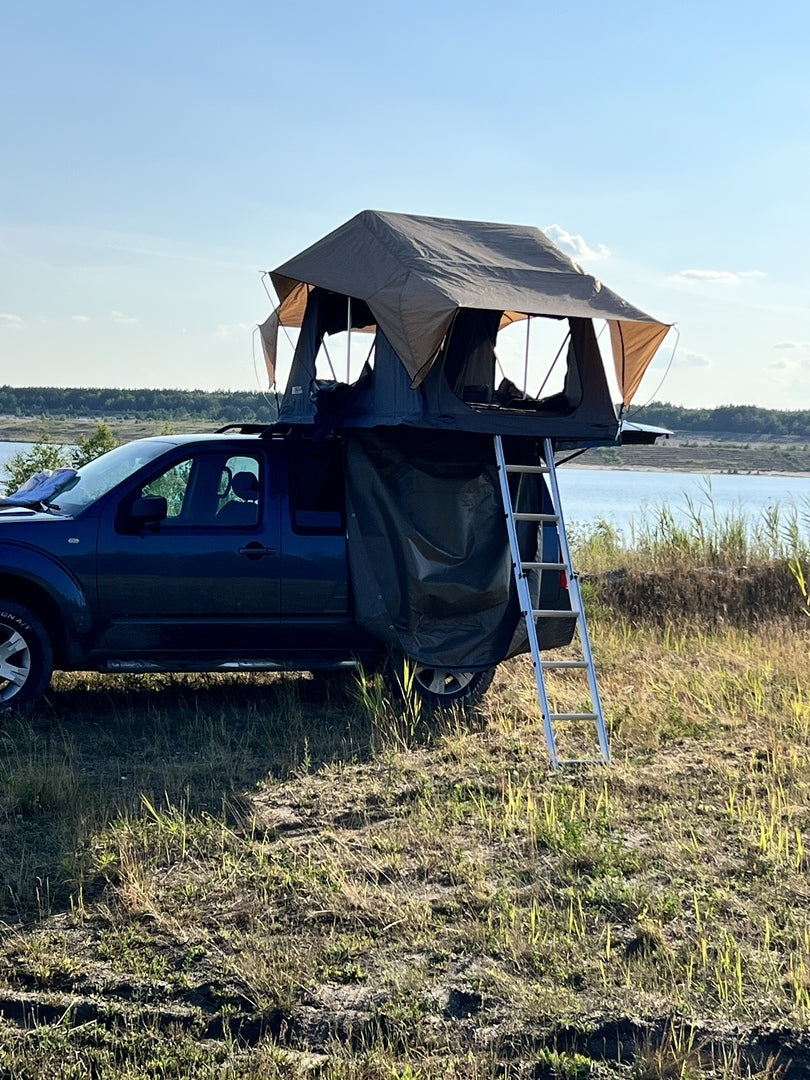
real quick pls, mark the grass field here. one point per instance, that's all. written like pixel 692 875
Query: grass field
pixel 286 877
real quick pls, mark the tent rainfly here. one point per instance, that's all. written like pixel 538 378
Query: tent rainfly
pixel 437 291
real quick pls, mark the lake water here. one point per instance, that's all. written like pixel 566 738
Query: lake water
pixel 622 495
pixel 9 448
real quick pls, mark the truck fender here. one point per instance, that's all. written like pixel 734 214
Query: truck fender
pixel 65 593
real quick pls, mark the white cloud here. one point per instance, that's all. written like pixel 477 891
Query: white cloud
pixel 692 360
pixel 790 345
pixel 13 322
pixel 119 317
pixel 80 318
pixel 575 245
pixel 680 360
pixel 721 277
pixel 790 364
pixel 233 330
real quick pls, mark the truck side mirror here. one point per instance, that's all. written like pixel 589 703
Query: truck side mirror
pixel 148 509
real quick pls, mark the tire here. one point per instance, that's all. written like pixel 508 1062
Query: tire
pixel 26 658
pixel 439 688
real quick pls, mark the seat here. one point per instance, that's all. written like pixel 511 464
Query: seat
pixel 242 507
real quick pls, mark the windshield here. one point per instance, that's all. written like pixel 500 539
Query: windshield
pixel 98 477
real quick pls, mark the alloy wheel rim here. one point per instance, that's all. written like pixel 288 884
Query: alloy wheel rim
pixel 442 681
pixel 15 661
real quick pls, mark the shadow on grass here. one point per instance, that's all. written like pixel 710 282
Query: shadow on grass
pixel 101 746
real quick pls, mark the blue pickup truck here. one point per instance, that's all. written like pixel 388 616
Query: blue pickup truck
pixel 190 553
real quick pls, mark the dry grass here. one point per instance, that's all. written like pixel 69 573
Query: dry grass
pixel 229 877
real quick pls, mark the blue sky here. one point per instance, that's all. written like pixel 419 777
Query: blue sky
pixel 156 157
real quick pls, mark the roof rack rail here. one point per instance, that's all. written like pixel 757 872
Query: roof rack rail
pixel 244 429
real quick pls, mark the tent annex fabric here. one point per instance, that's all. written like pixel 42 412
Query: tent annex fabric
pixel 430 563
pixel 414 273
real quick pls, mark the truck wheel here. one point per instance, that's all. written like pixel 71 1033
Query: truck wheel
pixel 440 688
pixel 26 658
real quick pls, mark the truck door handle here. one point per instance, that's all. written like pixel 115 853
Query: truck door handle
pixel 254 550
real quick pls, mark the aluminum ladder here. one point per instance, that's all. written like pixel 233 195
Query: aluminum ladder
pixel 530 614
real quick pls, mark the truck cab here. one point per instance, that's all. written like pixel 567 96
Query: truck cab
pixel 213 552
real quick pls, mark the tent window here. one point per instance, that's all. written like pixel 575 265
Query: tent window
pixel 544 373
pixel 339 360
pixel 529 359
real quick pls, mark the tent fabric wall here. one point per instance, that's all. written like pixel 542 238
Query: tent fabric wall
pixel 634 345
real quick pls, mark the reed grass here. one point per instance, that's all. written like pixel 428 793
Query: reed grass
pixel 699 536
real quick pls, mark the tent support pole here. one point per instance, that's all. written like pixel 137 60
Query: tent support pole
pixel 526 358
pixel 553 364
pixel 329 358
pixel 348 338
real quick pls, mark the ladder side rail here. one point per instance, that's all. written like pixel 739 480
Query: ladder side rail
pixel 556 501
pixel 574 587
pixel 525 602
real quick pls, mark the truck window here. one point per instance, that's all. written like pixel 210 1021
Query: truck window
pixel 173 486
pixel 238 492
pixel 210 489
pixel 317 492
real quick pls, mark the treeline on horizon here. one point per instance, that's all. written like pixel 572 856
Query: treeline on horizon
pixel 260 408
pixel 736 419
pixel 230 406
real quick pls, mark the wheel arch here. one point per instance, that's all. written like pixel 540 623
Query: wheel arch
pixel 40 602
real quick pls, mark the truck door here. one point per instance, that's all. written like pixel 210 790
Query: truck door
pixel 314 568
pixel 207 577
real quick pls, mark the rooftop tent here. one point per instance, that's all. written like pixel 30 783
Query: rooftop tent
pixel 431 568
pixel 436 291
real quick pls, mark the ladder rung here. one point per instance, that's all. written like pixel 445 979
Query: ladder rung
pixel 581 761
pixel 535 517
pixel 554 613
pixel 543 566
pixel 552 664
pixel 528 468
pixel 573 716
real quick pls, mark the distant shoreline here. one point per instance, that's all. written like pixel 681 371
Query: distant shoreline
pixel 684 452
pixel 696 469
